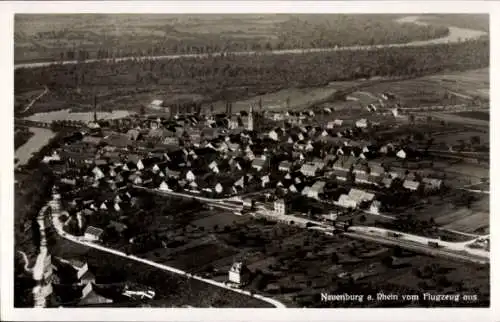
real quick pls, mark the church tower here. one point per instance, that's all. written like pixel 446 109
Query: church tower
pixel 250 119
pixel 42 271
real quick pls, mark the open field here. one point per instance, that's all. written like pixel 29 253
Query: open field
pixel 455 137
pixel 473 219
pixel 473 223
pixel 49 36
pixel 416 92
pixel 424 91
pixel 470 219
pixel 470 170
pixel 470 83
pixel 479 115
pixel 433 90
pixel 458 119
pixel 213 219
pixel 298 97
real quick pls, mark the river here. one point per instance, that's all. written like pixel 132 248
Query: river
pixel 66 115
pixel 455 35
pixel 39 139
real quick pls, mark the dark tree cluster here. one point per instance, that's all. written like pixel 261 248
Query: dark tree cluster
pixel 297 32
pixel 209 75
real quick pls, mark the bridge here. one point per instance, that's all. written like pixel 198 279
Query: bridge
pixel 45 125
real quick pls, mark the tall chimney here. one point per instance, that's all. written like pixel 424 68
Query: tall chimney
pixel 95 107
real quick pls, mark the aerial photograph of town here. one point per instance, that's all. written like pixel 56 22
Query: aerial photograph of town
pixel 251 160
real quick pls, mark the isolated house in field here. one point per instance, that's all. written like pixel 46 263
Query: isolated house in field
pixel 401 154
pixel 156 104
pixel 239 274
pixel 93 233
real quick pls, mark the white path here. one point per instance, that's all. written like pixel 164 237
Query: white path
pixel 453 246
pixel 45 91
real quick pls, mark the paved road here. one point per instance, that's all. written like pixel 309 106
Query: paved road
pixel 455 35
pixel 58 226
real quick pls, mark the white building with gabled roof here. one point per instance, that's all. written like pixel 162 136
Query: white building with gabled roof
pixel 164 186
pixel 190 176
pixel 239 274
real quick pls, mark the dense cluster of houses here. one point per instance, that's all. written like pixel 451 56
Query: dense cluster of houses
pixel 207 157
